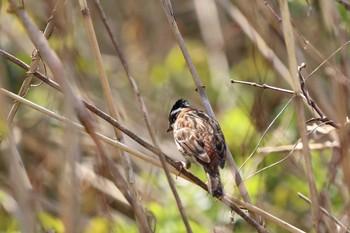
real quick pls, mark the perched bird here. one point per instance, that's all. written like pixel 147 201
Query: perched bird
pixel 199 138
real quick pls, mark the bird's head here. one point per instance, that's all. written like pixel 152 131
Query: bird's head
pixel 175 110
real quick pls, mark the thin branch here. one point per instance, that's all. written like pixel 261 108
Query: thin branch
pixel 184 173
pixel 340 77
pixel 143 107
pixel 310 102
pixel 140 214
pixel 35 62
pixel 132 135
pixel 241 213
pixel 225 200
pixel 305 96
pixel 70 205
pixel 265 132
pixel 59 74
pixel 118 182
pixel 291 148
pixel 263 86
pixel 285 148
pixel 343 79
pixel 325 212
pixel 107 140
pixel 26 67
pixel 264 214
pixel 276 163
pixel 236 15
pixel 101 114
pixel 273 11
pixel 296 147
pixel 290 44
pixel 52 60
pixel 109 119
pixel 167 7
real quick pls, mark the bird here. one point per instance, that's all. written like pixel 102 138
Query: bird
pixel 200 140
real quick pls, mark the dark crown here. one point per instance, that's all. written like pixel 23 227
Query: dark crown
pixel 181 103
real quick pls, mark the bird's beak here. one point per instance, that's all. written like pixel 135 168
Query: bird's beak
pixel 170 128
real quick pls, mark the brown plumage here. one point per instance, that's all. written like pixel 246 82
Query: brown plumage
pixel 199 138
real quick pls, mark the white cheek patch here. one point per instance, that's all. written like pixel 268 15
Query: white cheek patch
pixel 174 112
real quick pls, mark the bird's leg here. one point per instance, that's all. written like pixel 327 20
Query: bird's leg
pixel 183 165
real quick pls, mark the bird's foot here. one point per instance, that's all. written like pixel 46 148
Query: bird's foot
pixel 183 165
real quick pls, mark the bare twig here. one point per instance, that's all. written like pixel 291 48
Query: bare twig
pixel 148 146
pixel 51 59
pixel 263 86
pixel 256 38
pixel 290 44
pixel 325 212
pixel 312 104
pixel 296 147
pixel 343 79
pixel 168 9
pixel 184 173
pixel 264 214
pixel 299 147
pixel 241 213
pixel 204 98
pixel 58 72
pixel 24 66
pixel 109 119
pixel 35 62
pixel 268 53
pixel 144 112
pixel 273 11
pixel 305 96
pixel 129 173
pixel 107 140
pixel 265 132
pixel 226 199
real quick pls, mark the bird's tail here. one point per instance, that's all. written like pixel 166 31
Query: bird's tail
pixel 214 182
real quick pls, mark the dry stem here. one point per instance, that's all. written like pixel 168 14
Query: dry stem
pixel 129 173
pixel 204 98
pixel 289 38
pixel 184 172
pixel 145 114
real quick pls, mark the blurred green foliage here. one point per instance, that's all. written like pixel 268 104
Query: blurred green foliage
pixel 49 222
pixel 237 126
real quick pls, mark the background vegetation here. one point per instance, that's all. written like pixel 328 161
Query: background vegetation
pixel 56 178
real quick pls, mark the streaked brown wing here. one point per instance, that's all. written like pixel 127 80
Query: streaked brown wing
pixel 210 133
pixel 218 141
pixel 191 144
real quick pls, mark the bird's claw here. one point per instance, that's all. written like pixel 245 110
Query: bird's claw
pixel 183 165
